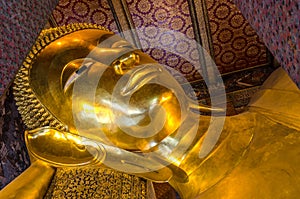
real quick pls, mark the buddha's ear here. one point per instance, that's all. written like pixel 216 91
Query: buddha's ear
pixel 59 148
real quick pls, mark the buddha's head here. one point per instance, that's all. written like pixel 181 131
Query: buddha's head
pixel 84 79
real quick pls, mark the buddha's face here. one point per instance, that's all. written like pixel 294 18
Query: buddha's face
pixel 99 86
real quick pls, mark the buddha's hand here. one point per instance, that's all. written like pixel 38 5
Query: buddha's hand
pixel 59 148
pixel 64 149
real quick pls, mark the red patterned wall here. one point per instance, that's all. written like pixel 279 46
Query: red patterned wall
pixel 21 22
pixel 236 45
pixel 165 30
pixel 84 11
pixel 277 22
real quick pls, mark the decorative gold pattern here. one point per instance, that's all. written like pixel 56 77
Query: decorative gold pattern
pixel 92 182
pixel 164 191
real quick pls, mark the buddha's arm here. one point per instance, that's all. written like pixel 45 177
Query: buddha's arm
pixel 236 168
pixel 206 171
pixel 31 184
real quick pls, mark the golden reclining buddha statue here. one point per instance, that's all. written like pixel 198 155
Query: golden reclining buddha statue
pixel 105 120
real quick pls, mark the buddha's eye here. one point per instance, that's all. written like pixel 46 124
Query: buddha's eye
pixel 77 73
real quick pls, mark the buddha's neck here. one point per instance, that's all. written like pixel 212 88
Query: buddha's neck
pixel 226 153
